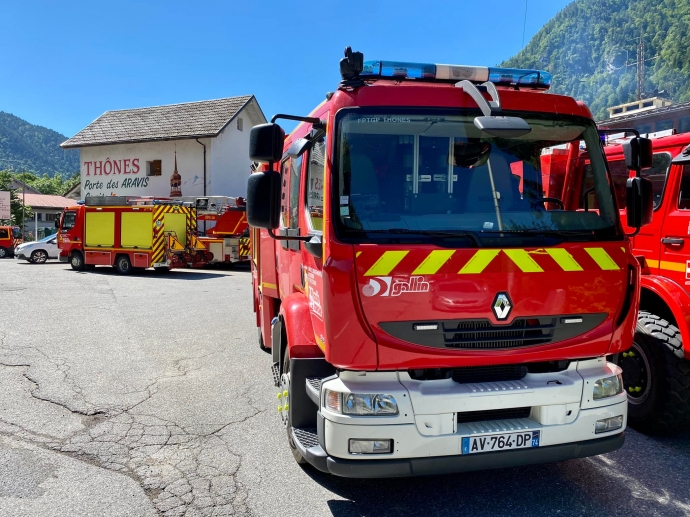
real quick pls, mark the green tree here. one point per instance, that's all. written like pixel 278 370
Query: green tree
pixel 15 201
pixel 55 186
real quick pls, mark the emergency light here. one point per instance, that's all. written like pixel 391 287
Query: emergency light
pixel 537 79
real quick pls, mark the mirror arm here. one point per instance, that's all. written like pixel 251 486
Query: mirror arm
pixel 637 230
pixel 303 238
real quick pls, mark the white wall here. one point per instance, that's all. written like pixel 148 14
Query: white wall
pixel 190 166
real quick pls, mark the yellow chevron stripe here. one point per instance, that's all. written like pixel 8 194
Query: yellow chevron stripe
pixel 479 261
pixel 386 263
pixel 433 262
pixel 564 259
pixel 603 259
pixel 523 260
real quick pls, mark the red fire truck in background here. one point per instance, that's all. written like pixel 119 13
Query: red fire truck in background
pixel 130 234
pixel 10 238
pixel 228 238
pixel 428 308
pixel 656 370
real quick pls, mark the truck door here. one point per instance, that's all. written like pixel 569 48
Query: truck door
pixel 675 233
pixel 289 251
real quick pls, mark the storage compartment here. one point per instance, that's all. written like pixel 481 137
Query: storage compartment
pixel 141 260
pixel 98 258
pixel 136 230
pixel 100 229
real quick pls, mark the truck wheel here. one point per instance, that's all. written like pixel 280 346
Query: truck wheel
pixel 122 265
pixel 285 413
pixel 76 261
pixel 3 252
pixel 656 376
pixel 39 257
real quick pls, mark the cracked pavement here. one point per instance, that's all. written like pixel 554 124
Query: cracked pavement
pixel 148 396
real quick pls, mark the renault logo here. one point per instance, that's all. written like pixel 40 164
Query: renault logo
pixel 502 306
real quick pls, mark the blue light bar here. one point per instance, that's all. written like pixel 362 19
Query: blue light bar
pixel 453 73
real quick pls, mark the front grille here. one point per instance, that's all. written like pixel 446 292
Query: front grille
pixel 482 334
pixel 494 414
pixel 471 374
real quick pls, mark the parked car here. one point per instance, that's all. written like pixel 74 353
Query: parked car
pixel 38 251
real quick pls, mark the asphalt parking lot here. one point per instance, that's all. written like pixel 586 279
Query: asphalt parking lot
pixel 148 395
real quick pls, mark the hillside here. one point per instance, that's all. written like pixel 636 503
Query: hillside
pixel 34 148
pixel 586 45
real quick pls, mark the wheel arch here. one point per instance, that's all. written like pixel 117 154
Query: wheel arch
pixel 297 332
pixel 667 299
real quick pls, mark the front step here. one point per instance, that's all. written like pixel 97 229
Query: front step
pixel 313 387
pixel 276 374
pixel 307 442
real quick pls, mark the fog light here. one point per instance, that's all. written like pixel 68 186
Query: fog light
pixel 608 424
pixel 371 446
pixel 608 387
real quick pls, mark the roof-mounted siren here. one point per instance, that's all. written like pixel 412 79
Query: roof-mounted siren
pixel 400 70
pixel 351 67
pixel 493 122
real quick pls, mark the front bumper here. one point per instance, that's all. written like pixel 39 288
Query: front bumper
pixel 20 256
pixel 427 434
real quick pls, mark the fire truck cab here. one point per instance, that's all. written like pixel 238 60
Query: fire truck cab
pixel 434 298
pixel 656 370
pixel 228 237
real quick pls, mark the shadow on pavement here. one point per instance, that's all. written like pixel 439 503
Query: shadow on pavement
pixel 646 477
pixel 175 274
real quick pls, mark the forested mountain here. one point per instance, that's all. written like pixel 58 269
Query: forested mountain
pixel 591 49
pixel 34 148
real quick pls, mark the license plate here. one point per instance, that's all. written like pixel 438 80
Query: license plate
pixel 500 442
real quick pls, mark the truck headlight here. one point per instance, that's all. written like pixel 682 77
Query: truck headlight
pixel 608 387
pixel 362 404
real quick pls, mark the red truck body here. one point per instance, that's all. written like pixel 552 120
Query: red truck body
pixel 10 238
pixel 349 312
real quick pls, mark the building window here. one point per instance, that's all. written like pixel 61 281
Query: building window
pixel 663 125
pixel 684 125
pixel 39 216
pixel 617 110
pixel 154 168
pixel 647 104
pixel 52 217
pixel 644 129
pixel 239 123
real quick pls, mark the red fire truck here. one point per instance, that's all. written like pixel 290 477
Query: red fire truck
pixel 10 238
pixel 656 370
pixel 433 296
pixel 130 234
pixel 228 239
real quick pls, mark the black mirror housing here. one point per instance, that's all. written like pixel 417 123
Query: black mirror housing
pixel 638 153
pixel 266 143
pixel 263 200
pixel 639 202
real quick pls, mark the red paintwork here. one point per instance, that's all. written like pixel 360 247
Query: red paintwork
pixel 230 223
pixel 10 242
pixel 671 286
pixel 349 331
pixel 298 327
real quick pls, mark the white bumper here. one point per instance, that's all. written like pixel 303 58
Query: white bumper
pixel 562 410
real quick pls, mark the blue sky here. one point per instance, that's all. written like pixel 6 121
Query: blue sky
pixel 64 63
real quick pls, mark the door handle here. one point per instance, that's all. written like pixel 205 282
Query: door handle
pixel 671 240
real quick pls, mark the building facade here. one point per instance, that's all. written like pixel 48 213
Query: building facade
pixel 45 211
pixel 189 149
pixel 649 116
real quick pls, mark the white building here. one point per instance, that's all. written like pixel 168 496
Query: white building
pixel 190 149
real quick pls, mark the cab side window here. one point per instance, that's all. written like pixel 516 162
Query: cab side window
pixel 684 197
pixel 284 199
pixel 315 185
pixel 4 233
pixel 69 220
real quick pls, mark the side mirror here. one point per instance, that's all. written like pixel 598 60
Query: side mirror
pixel 57 223
pixel 266 143
pixel 639 201
pixel 263 200
pixel 638 153
pixel 503 127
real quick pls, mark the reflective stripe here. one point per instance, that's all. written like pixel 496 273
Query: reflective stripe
pixel 433 262
pixel 479 261
pixel 564 259
pixel 385 264
pixel 602 258
pixel 673 266
pixel 523 261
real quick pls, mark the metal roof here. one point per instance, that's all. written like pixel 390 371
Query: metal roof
pixel 171 122
pixel 46 201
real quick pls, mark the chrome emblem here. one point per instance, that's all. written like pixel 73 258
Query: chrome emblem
pixel 502 306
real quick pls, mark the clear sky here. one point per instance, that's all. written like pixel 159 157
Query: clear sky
pixel 62 64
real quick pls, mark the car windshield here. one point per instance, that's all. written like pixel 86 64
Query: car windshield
pixel 16 233
pixel 431 173
pixel 46 239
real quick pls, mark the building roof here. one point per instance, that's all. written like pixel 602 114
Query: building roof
pixel 171 122
pixel 673 109
pixel 45 201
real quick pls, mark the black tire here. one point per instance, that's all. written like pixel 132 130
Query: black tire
pixel 656 377
pixel 3 252
pixel 122 265
pixel 76 260
pixel 39 257
pixel 261 343
pixel 285 414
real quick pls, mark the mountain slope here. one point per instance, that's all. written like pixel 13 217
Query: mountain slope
pixel 591 49
pixel 34 148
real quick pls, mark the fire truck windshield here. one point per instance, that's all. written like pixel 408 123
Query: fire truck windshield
pixel 430 172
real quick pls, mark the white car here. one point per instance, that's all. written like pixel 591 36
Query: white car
pixel 38 251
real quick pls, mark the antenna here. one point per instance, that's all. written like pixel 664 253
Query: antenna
pixel 640 69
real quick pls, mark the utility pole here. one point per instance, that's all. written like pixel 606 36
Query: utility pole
pixel 23 203
pixel 640 69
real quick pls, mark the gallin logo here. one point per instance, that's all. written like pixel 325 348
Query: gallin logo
pixel 389 286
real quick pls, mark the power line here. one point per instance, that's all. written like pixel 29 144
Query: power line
pixel 524 26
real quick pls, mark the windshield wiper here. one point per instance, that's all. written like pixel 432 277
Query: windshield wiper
pixel 548 233
pixel 431 233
